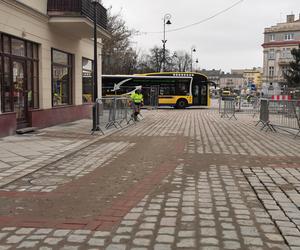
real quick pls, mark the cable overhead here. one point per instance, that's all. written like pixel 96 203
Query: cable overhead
pixel 196 23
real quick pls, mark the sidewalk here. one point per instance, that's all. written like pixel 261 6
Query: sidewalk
pixel 179 179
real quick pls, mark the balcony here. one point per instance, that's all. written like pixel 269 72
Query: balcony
pixel 76 17
pixel 284 60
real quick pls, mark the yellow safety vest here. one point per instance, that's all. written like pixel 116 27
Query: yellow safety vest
pixel 136 98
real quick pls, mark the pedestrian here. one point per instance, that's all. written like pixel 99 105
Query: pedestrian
pixel 137 101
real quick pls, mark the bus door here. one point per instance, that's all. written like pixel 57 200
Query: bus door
pixel 196 94
pixel 154 92
pixel 150 95
pixel 203 95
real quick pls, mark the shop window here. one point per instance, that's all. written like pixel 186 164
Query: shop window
pixel 29 84
pixel 61 78
pixel 17 47
pixel 35 51
pixel 6 44
pixel 87 80
pixel 7 87
pixel 29 50
pixel 35 85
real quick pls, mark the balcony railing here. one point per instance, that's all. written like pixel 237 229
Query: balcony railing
pixel 279 79
pixel 285 60
pixel 82 8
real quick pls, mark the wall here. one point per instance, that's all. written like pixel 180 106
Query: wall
pixel 50 117
pixel 8 124
pixel 38 5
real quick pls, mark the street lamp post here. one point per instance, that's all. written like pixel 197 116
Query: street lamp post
pixel 95 70
pixel 167 21
pixel 192 50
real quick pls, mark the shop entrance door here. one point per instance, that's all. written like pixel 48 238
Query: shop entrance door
pixel 20 93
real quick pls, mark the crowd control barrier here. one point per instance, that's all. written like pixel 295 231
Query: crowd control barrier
pixel 227 107
pixel 283 114
pixel 248 105
pixel 111 112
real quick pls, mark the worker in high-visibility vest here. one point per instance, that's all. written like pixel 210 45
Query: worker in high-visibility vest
pixel 137 101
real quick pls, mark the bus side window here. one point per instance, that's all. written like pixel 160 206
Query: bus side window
pixel 166 89
pixel 182 89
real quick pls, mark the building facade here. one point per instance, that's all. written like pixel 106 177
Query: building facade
pixel 279 40
pixel 46 61
pixel 251 76
pixel 212 75
pixel 232 81
pixel 254 76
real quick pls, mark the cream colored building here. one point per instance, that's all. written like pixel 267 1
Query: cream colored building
pixel 279 40
pixel 231 81
pixel 254 76
pixel 46 61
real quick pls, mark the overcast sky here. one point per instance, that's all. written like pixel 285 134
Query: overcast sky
pixel 230 40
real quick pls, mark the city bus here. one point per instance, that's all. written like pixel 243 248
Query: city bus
pixel 179 90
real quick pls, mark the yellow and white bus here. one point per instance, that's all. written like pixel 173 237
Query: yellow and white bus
pixel 175 89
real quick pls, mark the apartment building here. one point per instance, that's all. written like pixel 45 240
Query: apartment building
pixel 212 75
pixel 279 40
pixel 232 81
pixel 46 61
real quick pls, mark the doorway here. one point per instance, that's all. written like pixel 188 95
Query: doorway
pixel 20 94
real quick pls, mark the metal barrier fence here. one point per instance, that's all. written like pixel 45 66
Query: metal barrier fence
pixel 227 107
pixel 282 114
pixel 248 105
pixel 112 111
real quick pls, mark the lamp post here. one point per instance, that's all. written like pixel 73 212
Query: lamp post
pixel 192 50
pixel 167 21
pixel 197 63
pixel 95 69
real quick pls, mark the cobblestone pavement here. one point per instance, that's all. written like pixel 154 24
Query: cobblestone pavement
pixel 227 185
pixel 21 155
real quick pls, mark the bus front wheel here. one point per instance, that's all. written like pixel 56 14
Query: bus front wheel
pixel 181 104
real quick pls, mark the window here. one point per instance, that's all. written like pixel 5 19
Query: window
pixel 61 78
pixel 17 47
pixel 272 37
pixel 87 80
pixel 167 89
pixel 182 88
pixel 286 53
pixel 284 70
pixel 289 36
pixel 271 71
pixel 6 44
pixel 7 87
pixel 271 55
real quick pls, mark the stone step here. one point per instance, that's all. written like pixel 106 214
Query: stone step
pixel 26 130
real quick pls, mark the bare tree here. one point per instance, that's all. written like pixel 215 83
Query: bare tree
pixel 182 61
pixel 118 55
